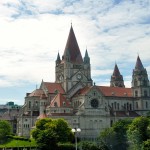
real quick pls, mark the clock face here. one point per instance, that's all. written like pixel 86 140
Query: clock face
pixel 79 76
pixel 94 103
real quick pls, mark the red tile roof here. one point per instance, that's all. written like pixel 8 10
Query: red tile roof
pixel 108 91
pixel 116 91
pixel 37 92
pixel 60 101
pixel 53 87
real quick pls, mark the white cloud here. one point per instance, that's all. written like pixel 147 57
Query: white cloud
pixel 32 32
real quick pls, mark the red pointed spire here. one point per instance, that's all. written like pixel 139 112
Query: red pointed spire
pixel 72 49
pixel 139 65
pixel 116 71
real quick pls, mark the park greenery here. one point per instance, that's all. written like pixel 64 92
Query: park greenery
pixel 49 134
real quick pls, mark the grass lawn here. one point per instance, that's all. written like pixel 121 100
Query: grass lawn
pixel 18 143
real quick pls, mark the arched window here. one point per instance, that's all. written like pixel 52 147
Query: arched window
pixel 55 104
pixel 146 104
pixel 135 82
pixel 144 82
pixel 112 105
pixel 130 106
pixel 64 104
pixel 115 105
pixel 118 106
pixel 127 106
pixel 145 93
pixel 137 105
pixel 136 93
pixel 29 104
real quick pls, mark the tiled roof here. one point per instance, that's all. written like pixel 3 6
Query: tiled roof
pixel 54 87
pixel 115 91
pixel 84 90
pixel 37 92
pixel 108 91
pixel 60 101
pixel 72 49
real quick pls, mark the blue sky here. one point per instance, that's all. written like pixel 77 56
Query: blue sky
pixel 33 31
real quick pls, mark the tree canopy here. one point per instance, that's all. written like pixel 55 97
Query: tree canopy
pixel 138 131
pixel 5 129
pixel 127 134
pixel 49 132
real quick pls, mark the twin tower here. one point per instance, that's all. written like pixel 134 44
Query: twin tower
pixel 74 72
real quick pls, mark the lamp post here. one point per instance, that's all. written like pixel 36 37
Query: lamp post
pixel 75 131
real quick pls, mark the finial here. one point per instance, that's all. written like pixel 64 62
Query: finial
pixel 71 23
pixel 94 83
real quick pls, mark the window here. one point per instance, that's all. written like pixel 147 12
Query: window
pixel 146 104
pixel 112 105
pixel 55 104
pixel 111 123
pixel 136 93
pixel 115 105
pixel 137 105
pixel 144 82
pixel 64 104
pixel 118 106
pixel 135 83
pixel 127 106
pixel 145 93
pixel 29 104
pixel 130 106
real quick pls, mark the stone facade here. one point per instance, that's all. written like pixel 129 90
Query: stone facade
pixel 74 97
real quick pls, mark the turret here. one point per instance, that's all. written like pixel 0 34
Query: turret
pixel 86 58
pixel 140 82
pixel 58 60
pixel 116 78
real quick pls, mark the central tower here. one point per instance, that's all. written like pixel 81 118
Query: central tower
pixel 72 71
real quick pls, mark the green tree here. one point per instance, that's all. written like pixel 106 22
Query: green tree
pixel 108 138
pixel 146 145
pixel 86 145
pixel 120 127
pixel 5 129
pixel 138 132
pixel 49 132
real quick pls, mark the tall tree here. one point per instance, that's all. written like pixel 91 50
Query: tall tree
pixel 120 127
pixel 138 132
pixel 5 129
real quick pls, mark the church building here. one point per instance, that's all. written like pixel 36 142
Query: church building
pixel 83 104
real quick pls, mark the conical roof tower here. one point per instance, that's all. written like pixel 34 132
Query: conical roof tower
pixel 72 52
pixel 116 78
